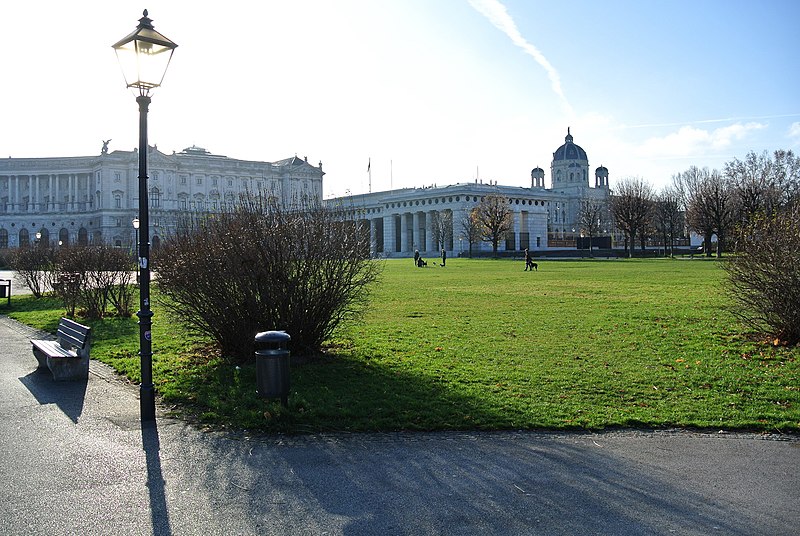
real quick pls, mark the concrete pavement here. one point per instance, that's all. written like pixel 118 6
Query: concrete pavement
pixel 75 460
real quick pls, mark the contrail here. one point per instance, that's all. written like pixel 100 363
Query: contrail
pixel 703 121
pixel 497 14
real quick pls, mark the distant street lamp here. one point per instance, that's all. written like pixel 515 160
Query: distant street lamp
pixel 144 56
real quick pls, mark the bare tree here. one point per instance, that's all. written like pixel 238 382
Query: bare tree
pixel 493 215
pixel 590 218
pixel 711 207
pixel 667 219
pixel 442 228
pixel 630 207
pixel 470 228
pixel 763 183
pixel 690 185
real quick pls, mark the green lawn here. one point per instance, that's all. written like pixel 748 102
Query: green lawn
pixel 481 344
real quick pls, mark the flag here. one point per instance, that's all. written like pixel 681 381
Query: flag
pixel 369 164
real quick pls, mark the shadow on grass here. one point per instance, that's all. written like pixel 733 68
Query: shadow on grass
pixel 340 395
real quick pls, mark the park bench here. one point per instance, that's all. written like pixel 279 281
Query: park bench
pixel 68 356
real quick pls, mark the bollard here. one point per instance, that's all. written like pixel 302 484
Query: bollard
pixel 272 365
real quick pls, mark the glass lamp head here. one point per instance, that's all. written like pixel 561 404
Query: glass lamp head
pixel 144 56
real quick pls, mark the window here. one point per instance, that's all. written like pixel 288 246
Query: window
pixel 183 179
pixel 117 201
pixel 155 198
pixel 199 181
pixel 117 176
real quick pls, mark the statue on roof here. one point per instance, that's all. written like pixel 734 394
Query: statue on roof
pixel 104 150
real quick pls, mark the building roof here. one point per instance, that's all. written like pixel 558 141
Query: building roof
pixel 569 151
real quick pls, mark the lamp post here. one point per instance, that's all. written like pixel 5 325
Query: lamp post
pixel 144 56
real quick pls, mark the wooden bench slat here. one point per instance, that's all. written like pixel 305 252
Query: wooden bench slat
pixel 53 349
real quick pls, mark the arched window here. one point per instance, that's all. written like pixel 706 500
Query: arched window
pixel 63 237
pixel 24 238
pixel 155 198
pixel 83 237
pixel 3 239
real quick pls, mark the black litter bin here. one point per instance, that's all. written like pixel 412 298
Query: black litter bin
pixel 272 365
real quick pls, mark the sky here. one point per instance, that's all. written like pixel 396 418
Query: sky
pixel 421 92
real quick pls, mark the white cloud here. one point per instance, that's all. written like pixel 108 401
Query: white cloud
pixel 794 131
pixel 498 15
pixel 691 141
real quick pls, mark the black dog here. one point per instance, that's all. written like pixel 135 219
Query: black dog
pixel 531 265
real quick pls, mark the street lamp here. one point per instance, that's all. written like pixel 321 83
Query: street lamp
pixel 144 56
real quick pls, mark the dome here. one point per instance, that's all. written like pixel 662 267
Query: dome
pixel 569 151
pixel 602 170
pixel 537 170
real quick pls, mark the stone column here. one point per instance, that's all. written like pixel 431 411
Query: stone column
pixel 57 195
pixel 404 232
pixel 373 239
pixel 16 193
pixel 37 200
pixel 415 234
pixel 430 238
pixel 388 234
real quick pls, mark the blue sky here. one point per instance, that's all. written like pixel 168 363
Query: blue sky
pixel 429 91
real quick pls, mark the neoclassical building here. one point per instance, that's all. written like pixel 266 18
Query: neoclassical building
pixel 402 221
pixel 92 199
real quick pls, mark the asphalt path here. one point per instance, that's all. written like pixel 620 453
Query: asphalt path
pixel 75 460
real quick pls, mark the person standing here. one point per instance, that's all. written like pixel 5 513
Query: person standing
pixel 444 257
pixel 416 257
pixel 528 260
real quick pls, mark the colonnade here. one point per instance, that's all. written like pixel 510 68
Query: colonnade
pixel 45 193
pixel 400 234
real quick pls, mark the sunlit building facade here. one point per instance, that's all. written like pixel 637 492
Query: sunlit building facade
pixel 94 199
pixel 403 221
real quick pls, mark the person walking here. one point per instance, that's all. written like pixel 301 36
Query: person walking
pixel 444 257
pixel 528 260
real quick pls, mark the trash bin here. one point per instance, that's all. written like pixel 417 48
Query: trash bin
pixel 272 365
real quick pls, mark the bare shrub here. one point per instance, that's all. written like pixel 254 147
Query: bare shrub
pixel 764 274
pixel 32 266
pixel 258 266
pixel 93 277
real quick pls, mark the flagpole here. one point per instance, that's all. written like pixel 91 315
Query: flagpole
pixel 369 172
pixel 391 175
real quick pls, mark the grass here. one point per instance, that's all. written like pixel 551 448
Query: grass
pixel 481 344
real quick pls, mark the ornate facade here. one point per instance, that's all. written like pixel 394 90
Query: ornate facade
pixel 402 221
pixel 92 199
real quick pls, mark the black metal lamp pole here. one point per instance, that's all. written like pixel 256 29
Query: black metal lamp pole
pixel 147 397
pixel 144 56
